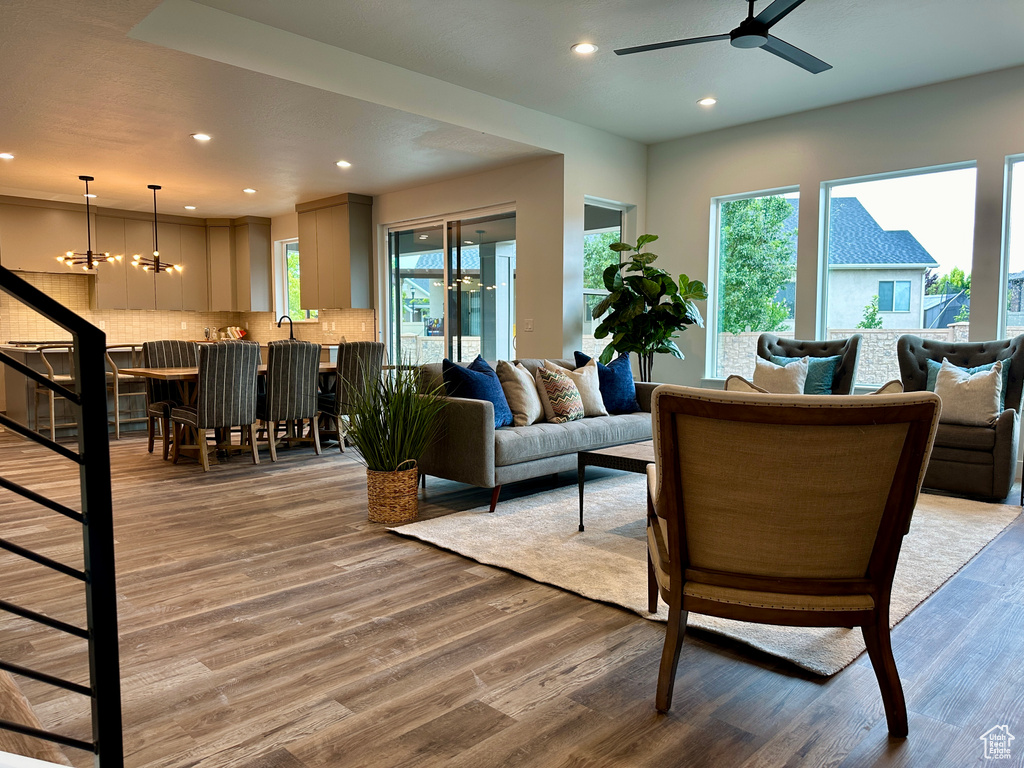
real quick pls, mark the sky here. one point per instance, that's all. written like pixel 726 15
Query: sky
pixel 938 209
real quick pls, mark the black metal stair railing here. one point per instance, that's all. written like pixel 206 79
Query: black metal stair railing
pixel 96 519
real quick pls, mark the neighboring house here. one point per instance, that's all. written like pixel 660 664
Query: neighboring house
pixel 865 260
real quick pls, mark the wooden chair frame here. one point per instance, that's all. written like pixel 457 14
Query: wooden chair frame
pixel 68 380
pixel 920 413
pixel 115 380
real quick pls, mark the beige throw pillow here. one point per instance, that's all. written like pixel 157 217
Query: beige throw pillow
pixel 588 383
pixel 738 384
pixel 780 379
pixel 521 392
pixel 971 399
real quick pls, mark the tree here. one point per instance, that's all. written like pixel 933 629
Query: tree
pixel 954 282
pixel 756 261
pixel 871 318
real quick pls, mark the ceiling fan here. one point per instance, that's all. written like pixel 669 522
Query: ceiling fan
pixel 752 33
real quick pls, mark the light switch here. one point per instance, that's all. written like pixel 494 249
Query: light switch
pixel 363 328
pixel 528 324
pixel 101 324
pixel 332 326
pixel 184 325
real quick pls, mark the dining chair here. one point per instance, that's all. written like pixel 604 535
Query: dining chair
pixel 358 363
pixel 161 396
pixel 291 393
pixel 124 386
pixel 726 537
pixel 52 354
pixel 225 398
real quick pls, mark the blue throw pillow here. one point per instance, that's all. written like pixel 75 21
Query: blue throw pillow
pixel 933 372
pixel 616 383
pixel 477 382
pixel 821 372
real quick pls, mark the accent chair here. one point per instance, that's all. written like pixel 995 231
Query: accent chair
pixel 970 460
pixel 848 349
pixel 724 542
pixel 291 396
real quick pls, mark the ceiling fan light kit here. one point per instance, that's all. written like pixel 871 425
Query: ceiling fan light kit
pixel 751 33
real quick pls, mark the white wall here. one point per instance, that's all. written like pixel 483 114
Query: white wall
pixel 548 195
pixel 850 291
pixel 974 119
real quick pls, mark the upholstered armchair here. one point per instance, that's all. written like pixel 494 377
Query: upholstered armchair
pixel 161 396
pixel 291 392
pixel 974 461
pixel 723 542
pixel 848 349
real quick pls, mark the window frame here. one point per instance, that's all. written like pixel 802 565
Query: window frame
pixel 1011 162
pixel 894 283
pixel 281 307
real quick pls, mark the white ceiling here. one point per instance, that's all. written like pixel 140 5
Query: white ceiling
pixel 82 97
pixel 518 50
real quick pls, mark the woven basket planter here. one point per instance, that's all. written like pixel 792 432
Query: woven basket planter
pixel 392 496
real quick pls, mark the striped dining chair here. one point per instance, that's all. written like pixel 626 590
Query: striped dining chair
pixel 161 396
pixel 358 363
pixel 292 372
pixel 225 398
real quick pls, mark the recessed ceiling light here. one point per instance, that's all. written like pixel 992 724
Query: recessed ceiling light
pixel 343 164
pixel 707 101
pixel 249 191
pixel 6 156
pixel 423 237
pixel 467 242
pixel 583 48
pixel 201 137
pixel 89 195
pixel 190 207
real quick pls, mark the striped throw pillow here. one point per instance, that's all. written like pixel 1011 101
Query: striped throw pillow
pixel 562 395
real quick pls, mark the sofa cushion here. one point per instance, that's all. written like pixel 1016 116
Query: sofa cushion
pixel 477 382
pixel 559 396
pixel 521 393
pixel 514 445
pixel 618 389
pixel 820 372
pixel 964 437
pixel 587 382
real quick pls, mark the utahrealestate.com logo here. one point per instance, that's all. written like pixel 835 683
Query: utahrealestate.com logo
pixel 997 742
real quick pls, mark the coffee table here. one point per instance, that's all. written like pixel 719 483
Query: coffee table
pixel 632 457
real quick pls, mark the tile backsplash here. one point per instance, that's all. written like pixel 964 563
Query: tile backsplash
pixel 122 326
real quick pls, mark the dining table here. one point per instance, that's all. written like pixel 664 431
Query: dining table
pixel 187 378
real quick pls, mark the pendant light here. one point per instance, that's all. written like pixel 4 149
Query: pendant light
pixel 153 263
pixel 89 259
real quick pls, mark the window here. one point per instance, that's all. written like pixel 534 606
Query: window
pixel 288 281
pixel 754 277
pixel 898 252
pixel 601 227
pixel 1015 247
pixel 894 296
pixel 452 289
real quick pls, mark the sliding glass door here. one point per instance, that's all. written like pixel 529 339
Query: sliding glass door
pixel 452 289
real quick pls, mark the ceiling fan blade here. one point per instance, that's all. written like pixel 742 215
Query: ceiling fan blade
pixel 669 44
pixel 777 11
pixel 794 55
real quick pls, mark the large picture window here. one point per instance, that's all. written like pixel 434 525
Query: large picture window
pixel 754 277
pixel 898 255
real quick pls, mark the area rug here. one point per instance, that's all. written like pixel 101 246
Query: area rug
pixel 537 536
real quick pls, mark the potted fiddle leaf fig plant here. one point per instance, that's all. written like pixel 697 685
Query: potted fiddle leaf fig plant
pixel 391 423
pixel 645 306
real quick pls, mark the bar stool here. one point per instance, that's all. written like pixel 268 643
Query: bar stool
pixel 48 353
pixel 125 387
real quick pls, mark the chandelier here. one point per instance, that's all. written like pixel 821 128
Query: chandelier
pixel 89 259
pixel 153 263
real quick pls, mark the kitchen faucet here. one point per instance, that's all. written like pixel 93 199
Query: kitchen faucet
pixel 291 326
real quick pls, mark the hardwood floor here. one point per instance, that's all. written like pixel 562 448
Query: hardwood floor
pixel 265 623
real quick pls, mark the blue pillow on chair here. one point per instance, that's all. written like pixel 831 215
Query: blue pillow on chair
pixel 933 373
pixel 477 382
pixel 616 382
pixel 820 372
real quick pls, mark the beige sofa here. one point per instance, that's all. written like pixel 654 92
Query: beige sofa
pixel 468 449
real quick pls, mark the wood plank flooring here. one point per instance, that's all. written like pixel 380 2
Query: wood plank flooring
pixel 265 623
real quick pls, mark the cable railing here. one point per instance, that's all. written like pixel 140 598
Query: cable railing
pixel 88 400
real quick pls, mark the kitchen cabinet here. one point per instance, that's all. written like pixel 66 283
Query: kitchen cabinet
pixel 254 290
pixel 221 255
pixel 335 236
pixel 194 276
pixel 168 284
pixel 111 286
pixel 138 239
pixel 34 233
